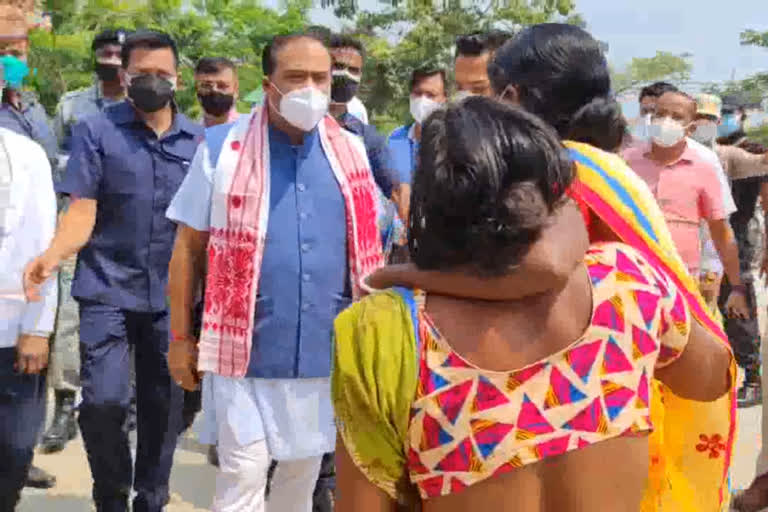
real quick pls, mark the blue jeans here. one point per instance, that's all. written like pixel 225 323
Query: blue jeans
pixel 107 334
pixel 22 411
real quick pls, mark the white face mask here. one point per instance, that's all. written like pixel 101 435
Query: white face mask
pixel 667 132
pixel 643 128
pixel 461 96
pixel 304 108
pixel 705 133
pixel 422 107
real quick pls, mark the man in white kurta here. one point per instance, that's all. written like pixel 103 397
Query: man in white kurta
pixel 27 224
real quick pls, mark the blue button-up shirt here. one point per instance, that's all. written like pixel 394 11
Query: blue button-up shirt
pixel 404 148
pixel 379 156
pixel 133 175
pixel 304 280
pixel 31 121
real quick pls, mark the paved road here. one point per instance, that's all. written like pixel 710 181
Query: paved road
pixel 192 479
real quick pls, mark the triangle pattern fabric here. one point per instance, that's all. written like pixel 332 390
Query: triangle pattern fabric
pixel 629 268
pixel 616 398
pixel 642 392
pixel 648 304
pixel 488 435
pixel 561 391
pixel 432 486
pixel 590 419
pixel 454 361
pixel 487 396
pixel 457 485
pixel 614 359
pixel 432 434
pixel 642 343
pixel 582 357
pixel 520 377
pixel 461 459
pixel 414 463
pixel 553 447
pixel 530 421
pixel 434 382
pixel 451 401
pixel 598 272
pixel 610 314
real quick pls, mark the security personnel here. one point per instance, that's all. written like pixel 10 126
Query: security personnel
pixel 64 374
pixel 125 166
pixel 106 90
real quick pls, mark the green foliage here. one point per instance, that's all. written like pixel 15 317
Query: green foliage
pixel 230 28
pixel 759 135
pixel 426 35
pixel 642 70
pixel 752 89
pixel 754 38
pixel 239 29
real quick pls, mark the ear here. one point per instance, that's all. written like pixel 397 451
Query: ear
pixel 123 77
pixel 510 95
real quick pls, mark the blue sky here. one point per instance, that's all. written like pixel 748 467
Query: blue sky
pixel 637 28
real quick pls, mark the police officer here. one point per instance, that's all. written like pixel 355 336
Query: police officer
pixel 64 374
pixel 125 166
pixel 106 89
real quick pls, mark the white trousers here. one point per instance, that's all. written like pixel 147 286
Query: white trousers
pixel 242 479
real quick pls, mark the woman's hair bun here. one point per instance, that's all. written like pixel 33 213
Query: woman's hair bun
pixel 600 123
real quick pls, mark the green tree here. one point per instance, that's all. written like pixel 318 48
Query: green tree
pixel 237 29
pixel 662 66
pixel 425 36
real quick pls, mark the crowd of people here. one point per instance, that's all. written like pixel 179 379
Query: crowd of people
pixel 515 301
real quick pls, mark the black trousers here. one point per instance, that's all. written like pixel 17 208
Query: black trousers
pixel 22 412
pixel 744 335
pixel 106 337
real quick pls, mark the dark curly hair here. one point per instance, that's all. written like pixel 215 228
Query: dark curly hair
pixel 489 178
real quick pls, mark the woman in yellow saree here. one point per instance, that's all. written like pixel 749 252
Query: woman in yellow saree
pixel 554 72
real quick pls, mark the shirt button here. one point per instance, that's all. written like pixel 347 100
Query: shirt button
pixel 305 277
pixel 301 187
pixel 304 247
pixel 303 216
pixel 305 307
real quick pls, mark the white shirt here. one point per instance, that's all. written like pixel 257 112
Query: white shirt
pixel 357 109
pixel 710 259
pixel 27 226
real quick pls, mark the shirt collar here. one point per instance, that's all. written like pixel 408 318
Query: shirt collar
pixel 412 132
pixel 125 113
pixel 231 117
pixel 689 154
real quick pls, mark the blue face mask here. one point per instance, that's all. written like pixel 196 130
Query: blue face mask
pixel 729 125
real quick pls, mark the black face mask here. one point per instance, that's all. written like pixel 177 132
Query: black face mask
pixel 343 89
pixel 216 104
pixel 106 72
pixel 149 93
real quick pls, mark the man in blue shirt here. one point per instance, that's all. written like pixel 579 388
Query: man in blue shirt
pixel 125 166
pixel 281 409
pixel 348 54
pixel 428 93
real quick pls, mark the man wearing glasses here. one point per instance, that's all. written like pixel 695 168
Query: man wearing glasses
pixel 217 90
